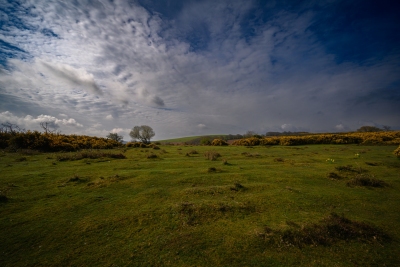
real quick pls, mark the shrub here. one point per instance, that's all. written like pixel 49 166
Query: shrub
pixel 219 142
pixel 205 141
pixel 372 138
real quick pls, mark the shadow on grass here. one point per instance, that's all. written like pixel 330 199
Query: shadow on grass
pixel 328 231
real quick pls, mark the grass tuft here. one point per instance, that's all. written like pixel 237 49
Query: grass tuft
pixel 76 179
pixel 3 197
pixel 152 156
pixel 21 159
pixel 373 163
pixel 334 175
pixel 350 168
pixel 366 180
pixel 325 233
pixel 212 169
pixel 238 187
pixel 90 155
pixel 212 155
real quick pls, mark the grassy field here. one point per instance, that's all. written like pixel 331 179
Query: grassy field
pixel 188 138
pixel 251 206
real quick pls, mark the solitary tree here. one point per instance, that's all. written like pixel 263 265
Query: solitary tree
pixel 144 133
pixel 115 137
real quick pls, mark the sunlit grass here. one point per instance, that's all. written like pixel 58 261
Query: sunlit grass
pixel 171 210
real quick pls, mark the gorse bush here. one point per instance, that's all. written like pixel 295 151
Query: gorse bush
pixel 397 152
pixel 219 142
pixel 49 142
pixel 142 145
pixel 363 138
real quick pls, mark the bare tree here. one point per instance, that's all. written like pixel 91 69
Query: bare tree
pixel 48 127
pixel 11 128
pixel 144 133
pixel 115 137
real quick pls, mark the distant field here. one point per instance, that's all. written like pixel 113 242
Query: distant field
pixel 187 139
pixel 316 205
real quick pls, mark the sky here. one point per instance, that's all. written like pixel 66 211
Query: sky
pixel 198 67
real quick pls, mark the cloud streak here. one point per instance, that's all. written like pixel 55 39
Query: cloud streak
pixel 230 65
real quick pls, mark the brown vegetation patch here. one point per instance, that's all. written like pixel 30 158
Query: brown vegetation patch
pixel 194 214
pixel 334 175
pixel 366 180
pixel 325 233
pixel 212 155
pixel 193 152
pixel 3 198
pixel 350 168
pixel 76 179
pixel 212 169
pixel 373 163
pixel 238 187
pixel 152 156
pixel 90 155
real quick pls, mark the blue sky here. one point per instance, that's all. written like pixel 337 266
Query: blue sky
pixel 200 67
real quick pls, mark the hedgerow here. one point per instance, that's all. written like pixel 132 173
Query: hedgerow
pixel 373 138
pixel 49 142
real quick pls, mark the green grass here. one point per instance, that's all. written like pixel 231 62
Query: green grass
pixel 258 206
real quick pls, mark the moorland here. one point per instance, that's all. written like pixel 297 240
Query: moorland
pixel 256 203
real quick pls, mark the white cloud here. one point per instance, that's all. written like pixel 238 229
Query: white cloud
pixel 31 122
pixel 340 127
pixel 117 58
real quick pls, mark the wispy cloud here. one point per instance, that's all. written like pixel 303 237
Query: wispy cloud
pixel 230 65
